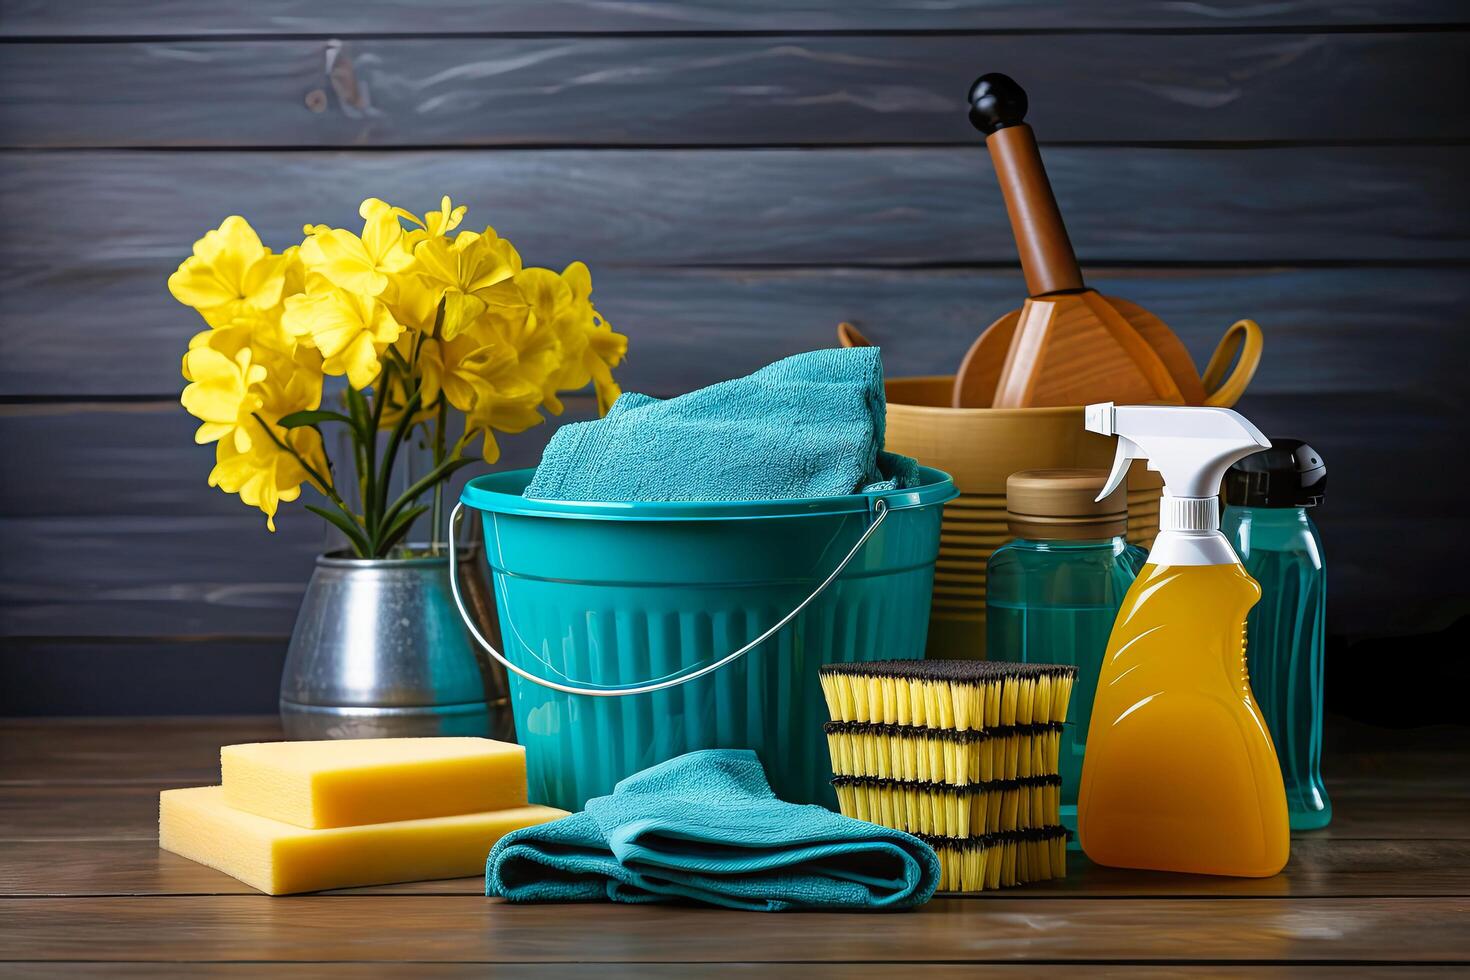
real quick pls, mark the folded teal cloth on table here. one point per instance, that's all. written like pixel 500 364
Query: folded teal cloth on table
pixel 706 826
pixel 810 425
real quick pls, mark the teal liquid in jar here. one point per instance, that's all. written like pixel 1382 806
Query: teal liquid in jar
pixel 1267 522
pixel 1054 599
pixel 1285 638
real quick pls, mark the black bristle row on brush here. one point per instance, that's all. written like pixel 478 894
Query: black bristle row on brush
pixel 943 734
pixel 1000 860
pixel 961 671
pixel 999 837
pixel 1047 779
pixel 947 695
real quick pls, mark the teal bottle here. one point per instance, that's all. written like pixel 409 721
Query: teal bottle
pixel 1266 519
pixel 1053 592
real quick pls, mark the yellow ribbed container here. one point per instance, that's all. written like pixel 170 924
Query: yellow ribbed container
pixel 979 448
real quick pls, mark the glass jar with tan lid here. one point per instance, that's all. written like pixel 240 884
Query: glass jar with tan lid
pixel 1054 590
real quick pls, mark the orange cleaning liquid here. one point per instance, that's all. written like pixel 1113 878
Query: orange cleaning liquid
pixel 1180 773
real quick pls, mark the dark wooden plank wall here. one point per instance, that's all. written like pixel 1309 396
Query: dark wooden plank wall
pixel 740 176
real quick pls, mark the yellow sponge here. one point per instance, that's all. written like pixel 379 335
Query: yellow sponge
pixel 951 811
pixel 960 695
pixel 279 858
pixel 1012 857
pixel 936 755
pixel 346 782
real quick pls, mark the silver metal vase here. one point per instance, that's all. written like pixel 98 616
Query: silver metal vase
pixel 379 651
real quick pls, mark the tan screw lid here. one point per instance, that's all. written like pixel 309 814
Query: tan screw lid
pixel 1059 505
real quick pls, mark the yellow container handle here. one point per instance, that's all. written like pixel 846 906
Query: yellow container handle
pixel 1243 337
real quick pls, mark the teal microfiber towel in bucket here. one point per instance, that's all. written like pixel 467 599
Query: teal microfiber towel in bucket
pixel 810 425
pixel 706 826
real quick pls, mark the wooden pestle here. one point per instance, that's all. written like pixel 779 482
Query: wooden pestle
pixel 1068 344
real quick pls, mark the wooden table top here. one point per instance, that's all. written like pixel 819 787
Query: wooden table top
pixel 84 890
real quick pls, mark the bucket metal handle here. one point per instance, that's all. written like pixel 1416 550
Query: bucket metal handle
pixel 880 512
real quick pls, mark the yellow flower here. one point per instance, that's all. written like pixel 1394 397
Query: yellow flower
pixel 479 374
pixel 236 396
pixel 222 396
pixel 260 331
pixel 293 383
pixel 454 367
pixel 360 264
pixel 434 223
pixel 351 331
pixel 445 220
pixel 505 399
pixel 415 306
pixel 471 329
pixel 230 273
pixel 564 342
pixel 593 347
pixel 532 330
pixel 467 273
pixel 265 474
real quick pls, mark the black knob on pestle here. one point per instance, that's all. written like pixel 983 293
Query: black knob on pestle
pixel 996 102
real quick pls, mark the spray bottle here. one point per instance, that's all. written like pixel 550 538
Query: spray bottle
pixel 1180 773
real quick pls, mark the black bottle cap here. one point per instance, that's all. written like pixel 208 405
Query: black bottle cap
pixel 1289 474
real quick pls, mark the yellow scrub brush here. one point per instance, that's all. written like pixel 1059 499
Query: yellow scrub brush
pixel 957 695
pixel 1011 857
pixel 962 753
pixel 931 755
pixel 952 811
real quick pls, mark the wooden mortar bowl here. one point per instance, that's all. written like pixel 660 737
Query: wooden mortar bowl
pixel 979 448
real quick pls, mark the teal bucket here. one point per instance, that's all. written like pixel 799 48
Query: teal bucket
pixel 636 632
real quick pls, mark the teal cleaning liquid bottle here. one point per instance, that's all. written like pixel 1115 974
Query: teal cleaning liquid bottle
pixel 1266 520
pixel 1053 592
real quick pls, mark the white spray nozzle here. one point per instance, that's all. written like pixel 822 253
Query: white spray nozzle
pixel 1191 447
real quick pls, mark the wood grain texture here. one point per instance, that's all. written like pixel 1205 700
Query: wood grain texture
pixel 161 751
pixel 1319 868
pixel 109 812
pixel 150 464
pixel 1326 330
pixel 98 779
pixel 714 971
pixel 737 207
pixel 114 18
pixel 166 555
pixel 946 930
pixel 649 91
pixel 123 811
pixel 82 879
pixel 217 572
pixel 121 573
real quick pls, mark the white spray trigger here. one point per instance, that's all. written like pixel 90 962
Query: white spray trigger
pixel 1127 452
pixel 1191 447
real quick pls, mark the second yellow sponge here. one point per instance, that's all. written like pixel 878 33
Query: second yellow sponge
pixel 280 858
pixel 350 782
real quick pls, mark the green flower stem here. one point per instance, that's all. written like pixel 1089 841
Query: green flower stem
pixel 372 513
pixel 390 450
pixel 326 485
pixel 433 477
pixel 405 366
pixel 462 441
pixel 436 515
pixel 357 407
pixel 382 525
